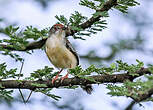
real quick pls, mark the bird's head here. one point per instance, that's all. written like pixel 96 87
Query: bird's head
pixel 57 29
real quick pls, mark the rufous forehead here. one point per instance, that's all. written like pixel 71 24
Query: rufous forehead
pixel 59 25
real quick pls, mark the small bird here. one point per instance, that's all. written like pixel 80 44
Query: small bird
pixel 61 53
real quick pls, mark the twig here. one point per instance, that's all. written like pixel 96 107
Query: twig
pixel 25 101
pixel 21 69
pixel 29 96
pixel 22 96
pixel 130 106
pixel 18 79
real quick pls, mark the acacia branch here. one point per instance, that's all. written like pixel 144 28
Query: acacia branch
pixel 108 5
pixel 38 44
pixel 30 46
pixel 143 96
pixel 115 78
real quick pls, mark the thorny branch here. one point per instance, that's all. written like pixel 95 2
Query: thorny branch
pixel 115 78
pixel 38 44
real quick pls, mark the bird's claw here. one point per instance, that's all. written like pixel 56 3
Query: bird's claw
pixel 66 76
pixel 54 79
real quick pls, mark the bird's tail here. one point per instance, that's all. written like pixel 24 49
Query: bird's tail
pixel 88 88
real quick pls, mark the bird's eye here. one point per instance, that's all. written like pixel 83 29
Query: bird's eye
pixel 58 27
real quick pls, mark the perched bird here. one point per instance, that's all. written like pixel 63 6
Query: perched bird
pixel 61 53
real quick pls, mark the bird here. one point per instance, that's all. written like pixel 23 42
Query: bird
pixel 61 53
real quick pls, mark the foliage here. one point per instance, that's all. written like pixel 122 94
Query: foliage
pixel 5 74
pixel 132 89
pixel 6 94
pixel 19 40
pixel 77 18
pixel 47 73
pixel 124 4
pixel 48 93
pixel 42 73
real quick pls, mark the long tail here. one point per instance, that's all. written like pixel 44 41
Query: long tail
pixel 88 88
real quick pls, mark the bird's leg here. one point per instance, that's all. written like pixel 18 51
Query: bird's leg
pixel 66 76
pixel 56 77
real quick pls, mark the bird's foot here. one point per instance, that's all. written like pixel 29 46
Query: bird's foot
pixel 54 79
pixel 66 76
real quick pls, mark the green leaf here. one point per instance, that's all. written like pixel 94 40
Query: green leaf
pixel 62 19
pixel 42 73
pixel 102 14
pixel 4 73
pixel 89 4
pixel 1 87
pixel 90 79
pixel 38 85
pixel 71 87
pixel 123 5
pixel 47 93
pixel 6 94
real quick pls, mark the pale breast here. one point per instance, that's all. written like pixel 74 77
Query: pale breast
pixel 59 55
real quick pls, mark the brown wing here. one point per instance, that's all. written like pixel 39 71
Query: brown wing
pixel 69 46
pixel 88 88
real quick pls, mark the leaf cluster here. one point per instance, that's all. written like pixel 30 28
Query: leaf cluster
pixel 75 21
pixel 124 4
pixel 6 94
pixel 48 93
pixel 4 73
pixel 42 74
pixel 132 89
pixel 119 66
pixel 93 4
pixel 18 40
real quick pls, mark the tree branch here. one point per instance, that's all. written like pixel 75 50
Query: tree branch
pixel 130 106
pixel 143 96
pixel 108 5
pixel 38 44
pixel 115 78
pixel 30 46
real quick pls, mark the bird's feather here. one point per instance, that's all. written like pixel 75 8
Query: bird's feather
pixel 69 46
